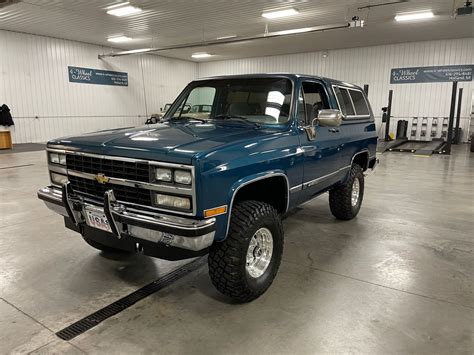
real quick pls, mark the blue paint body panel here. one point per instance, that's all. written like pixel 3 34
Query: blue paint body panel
pixel 227 155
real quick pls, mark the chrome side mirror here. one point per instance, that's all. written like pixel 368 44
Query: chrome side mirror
pixel 325 118
pixel 328 118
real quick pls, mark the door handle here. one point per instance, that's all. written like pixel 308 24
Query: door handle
pixel 333 130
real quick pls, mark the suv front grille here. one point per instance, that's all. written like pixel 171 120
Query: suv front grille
pixel 111 168
pixel 122 193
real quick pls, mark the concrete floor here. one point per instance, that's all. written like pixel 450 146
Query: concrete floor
pixel 398 278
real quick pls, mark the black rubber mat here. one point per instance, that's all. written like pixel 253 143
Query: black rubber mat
pixel 95 318
pixel 23 148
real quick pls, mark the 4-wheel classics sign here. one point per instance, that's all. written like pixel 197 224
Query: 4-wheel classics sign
pixel 445 73
pixel 97 76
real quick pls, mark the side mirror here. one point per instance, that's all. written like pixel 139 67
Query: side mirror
pixel 329 118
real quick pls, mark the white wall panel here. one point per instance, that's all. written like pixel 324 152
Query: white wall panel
pixel 34 84
pixel 371 65
pixel 165 80
pixel 34 81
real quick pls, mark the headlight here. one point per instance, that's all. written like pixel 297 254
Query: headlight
pixel 173 201
pixel 163 174
pixel 57 158
pixel 182 177
pixel 58 179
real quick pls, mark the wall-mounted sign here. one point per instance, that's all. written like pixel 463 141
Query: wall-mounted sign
pixel 97 76
pixel 438 74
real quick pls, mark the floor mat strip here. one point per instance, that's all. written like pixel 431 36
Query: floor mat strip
pixel 118 306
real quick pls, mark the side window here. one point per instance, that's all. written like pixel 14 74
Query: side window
pixel 344 101
pixel 314 100
pixel 301 109
pixel 340 100
pixel 360 104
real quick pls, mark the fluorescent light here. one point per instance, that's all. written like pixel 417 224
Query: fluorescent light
pixel 133 51
pixel 289 32
pixel 226 37
pixel 201 55
pixel 119 39
pixel 414 16
pixel 280 13
pixel 123 9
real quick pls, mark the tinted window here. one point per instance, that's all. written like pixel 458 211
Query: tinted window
pixel 344 101
pixel 359 103
pixel 262 100
pixel 314 100
pixel 301 109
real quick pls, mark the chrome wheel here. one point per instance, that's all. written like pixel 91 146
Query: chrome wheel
pixel 355 192
pixel 259 253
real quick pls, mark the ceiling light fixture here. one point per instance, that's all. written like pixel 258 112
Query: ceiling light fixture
pixel 134 51
pixel 226 37
pixel 414 16
pixel 123 9
pixel 119 39
pixel 280 13
pixel 293 31
pixel 201 55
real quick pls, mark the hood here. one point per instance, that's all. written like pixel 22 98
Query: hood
pixel 169 142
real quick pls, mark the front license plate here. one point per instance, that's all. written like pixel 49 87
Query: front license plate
pixel 97 220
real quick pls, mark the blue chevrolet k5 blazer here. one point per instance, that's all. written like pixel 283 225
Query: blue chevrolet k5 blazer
pixel 231 156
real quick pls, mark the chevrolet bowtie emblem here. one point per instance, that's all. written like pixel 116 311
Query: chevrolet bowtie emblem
pixel 102 179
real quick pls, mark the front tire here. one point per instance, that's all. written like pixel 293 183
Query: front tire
pixel 245 264
pixel 345 200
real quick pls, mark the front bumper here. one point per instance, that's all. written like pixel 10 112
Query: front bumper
pixel 132 222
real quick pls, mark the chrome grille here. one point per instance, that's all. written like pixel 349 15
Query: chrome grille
pixel 136 171
pixel 122 193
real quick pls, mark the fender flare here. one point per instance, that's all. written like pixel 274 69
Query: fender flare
pixel 250 179
pixel 363 151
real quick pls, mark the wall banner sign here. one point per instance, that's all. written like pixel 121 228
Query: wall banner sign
pixel 445 73
pixel 97 76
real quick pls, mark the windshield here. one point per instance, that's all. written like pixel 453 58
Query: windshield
pixel 256 100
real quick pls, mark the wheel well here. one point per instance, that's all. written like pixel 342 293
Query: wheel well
pixel 272 190
pixel 361 159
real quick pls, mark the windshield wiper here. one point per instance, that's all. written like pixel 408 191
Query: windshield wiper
pixel 187 118
pixel 237 118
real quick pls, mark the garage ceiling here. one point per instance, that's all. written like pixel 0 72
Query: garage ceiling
pixel 174 22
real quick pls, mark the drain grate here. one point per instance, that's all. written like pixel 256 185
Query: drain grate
pixel 118 306
pixel 16 166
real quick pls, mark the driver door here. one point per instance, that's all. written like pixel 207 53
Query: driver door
pixel 321 152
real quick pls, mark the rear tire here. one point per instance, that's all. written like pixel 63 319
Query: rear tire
pixel 105 248
pixel 245 264
pixel 345 200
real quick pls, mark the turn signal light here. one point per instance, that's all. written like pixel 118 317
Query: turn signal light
pixel 215 211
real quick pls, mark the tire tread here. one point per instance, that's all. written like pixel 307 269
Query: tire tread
pixel 340 197
pixel 225 258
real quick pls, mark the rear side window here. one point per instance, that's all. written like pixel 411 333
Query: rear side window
pixel 345 103
pixel 360 104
